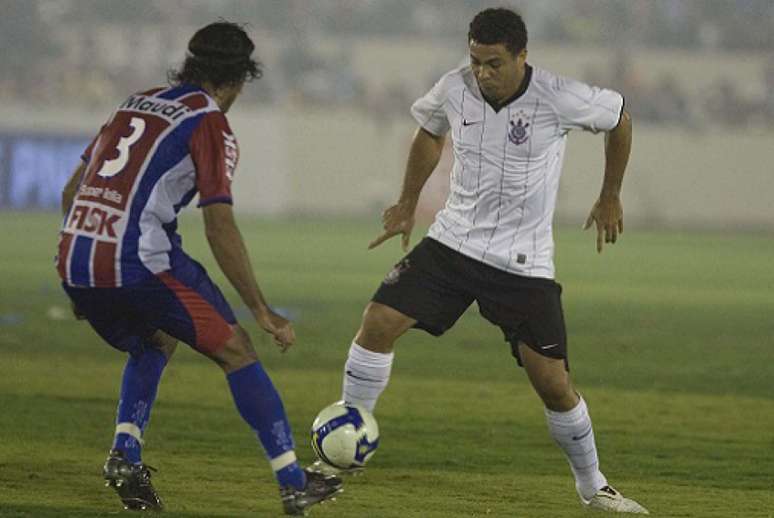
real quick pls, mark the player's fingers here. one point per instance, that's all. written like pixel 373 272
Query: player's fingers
pixel 589 221
pixel 282 340
pixel 269 327
pixel 620 225
pixel 284 331
pixel 600 238
pixel 613 233
pixel 381 239
pixel 282 345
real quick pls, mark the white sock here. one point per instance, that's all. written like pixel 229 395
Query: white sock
pixel 573 433
pixel 366 374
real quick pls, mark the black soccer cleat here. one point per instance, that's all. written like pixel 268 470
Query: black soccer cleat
pixel 319 488
pixel 132 483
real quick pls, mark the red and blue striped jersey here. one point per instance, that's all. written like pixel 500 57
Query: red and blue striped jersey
pixel 155 153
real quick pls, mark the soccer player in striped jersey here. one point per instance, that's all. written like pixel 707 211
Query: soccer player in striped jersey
pixel 492 242
pixel 123 265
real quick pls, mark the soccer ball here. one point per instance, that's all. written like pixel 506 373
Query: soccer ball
pixel 345 436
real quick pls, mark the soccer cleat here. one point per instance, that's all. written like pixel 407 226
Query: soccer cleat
pixel 319 488
pixel 132 483
pixel 319 466
pixel 608 499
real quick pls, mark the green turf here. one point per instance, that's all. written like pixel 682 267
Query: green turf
pixel 671 340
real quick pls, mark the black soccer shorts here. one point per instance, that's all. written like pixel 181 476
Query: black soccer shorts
pixel 435 284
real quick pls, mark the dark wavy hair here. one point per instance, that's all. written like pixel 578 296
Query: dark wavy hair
pixel 500 25
pixel 219 54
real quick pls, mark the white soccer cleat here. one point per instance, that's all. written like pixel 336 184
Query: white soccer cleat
pixel 608 499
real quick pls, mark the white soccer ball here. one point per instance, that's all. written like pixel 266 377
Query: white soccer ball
pixel 345 436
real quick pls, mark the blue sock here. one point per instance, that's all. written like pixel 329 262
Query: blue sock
pixel 138 391
pixel 261 407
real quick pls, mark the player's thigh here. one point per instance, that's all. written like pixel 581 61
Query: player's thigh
pixel 185 304
pixel 424 287
pixel 529 311
pixel 110 313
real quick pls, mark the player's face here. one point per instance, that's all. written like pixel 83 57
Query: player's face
pixel 497 70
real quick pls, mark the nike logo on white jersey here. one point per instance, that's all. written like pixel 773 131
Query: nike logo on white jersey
pixel 466 122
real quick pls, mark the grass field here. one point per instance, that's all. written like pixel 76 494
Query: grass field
pixel 671 343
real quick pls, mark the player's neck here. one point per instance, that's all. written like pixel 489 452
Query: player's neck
pixel 223 97
pixel 519 85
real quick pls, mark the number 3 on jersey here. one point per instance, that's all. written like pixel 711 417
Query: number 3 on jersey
pixel 116 165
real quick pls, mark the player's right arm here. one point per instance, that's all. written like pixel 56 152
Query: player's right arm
pixel 230 252
pixel 214 154
pixel 68 195
pixel 424 156
pixel 71 187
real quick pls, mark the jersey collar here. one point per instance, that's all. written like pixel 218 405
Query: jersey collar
pixel 522 88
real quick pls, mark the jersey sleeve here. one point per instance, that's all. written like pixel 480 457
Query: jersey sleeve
pixel 214 153
pixel 86 155
pixel 586 107
pixel 429 110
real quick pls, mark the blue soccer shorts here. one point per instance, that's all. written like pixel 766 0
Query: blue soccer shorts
pixel 182 302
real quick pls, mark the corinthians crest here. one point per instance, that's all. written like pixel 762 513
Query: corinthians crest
pixel 394 275
pixel 518 132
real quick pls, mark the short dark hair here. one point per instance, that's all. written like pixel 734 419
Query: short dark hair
pixel 218 53
pixel 499 25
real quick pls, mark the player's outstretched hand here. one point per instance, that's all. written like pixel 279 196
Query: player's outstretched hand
pixel 279 327
pixel 607 214
pixel 398 219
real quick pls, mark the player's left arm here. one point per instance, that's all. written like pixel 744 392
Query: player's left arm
pixel 71 187
pixel 607 212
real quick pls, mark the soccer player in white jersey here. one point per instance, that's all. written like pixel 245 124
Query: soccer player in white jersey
pixel 492 243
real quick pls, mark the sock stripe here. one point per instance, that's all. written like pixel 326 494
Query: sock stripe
pixel 283 461
pixel 130 429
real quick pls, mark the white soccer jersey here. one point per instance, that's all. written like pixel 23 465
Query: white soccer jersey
pixel 507 162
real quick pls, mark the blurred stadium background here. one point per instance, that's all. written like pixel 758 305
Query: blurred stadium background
pixel 671 330
pixel 326 130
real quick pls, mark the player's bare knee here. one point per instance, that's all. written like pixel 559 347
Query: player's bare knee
pixel 165 343
pixel 381 326
pixel 557 394
pixel 237 352
pixel 375 334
